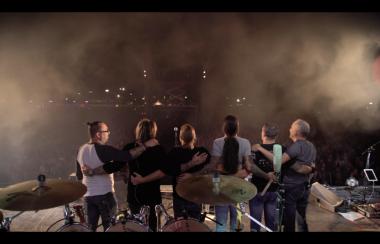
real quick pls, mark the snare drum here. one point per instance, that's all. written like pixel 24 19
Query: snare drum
pixel 75 227
pixel 185 225
pixel 128 226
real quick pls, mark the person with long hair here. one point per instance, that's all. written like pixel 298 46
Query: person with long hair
pixel 187 158
pixel 230 155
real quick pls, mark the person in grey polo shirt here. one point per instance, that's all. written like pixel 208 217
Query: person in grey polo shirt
pixel 298 162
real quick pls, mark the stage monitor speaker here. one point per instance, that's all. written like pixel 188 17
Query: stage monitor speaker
pixel 321 197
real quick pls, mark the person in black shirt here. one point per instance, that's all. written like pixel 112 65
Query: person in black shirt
pixel 178 160
pixel 267 202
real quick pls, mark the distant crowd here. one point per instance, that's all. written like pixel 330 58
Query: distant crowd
pixel 339 154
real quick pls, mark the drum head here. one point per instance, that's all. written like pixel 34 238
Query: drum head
pixel 129 226
pixel 75 227
pixel 186 225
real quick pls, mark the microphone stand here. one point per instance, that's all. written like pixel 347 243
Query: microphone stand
pixel 176 143
pixel 369 150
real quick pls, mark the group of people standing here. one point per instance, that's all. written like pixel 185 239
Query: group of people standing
pixel 231 155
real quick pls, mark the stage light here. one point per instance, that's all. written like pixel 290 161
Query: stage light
pixel 66 98
pixel 74 102
pixel 204 76
pixel 370 103
pixel 238 100
pixel 144 75
pixel 204 72
pixel 50 101
pixel 243 98
pixel 89 91
pixel 78 93
pixel 86 101
pixel 123 88
pixel 118 95
pixel 130 94
pixel 107 90
pixel 144 71
pixel 185 97
pixel 143 98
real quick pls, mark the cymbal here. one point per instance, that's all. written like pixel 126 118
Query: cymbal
pixel 28 196
pixel 232 190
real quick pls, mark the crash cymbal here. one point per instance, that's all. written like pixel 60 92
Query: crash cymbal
pixel 28 196
pixel 232 190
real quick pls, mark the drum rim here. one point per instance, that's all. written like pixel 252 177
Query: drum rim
pixel 176 220
pixel 133 221
pixel 81 224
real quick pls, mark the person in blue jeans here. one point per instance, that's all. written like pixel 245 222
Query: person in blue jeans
pixel 267 202
pixel 229 154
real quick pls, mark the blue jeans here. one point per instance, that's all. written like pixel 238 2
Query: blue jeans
pixel 221 214
pixel 260 203
pixel 193 209
pixel 296 201
pixel 100 205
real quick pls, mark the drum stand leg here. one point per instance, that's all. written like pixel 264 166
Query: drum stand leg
pixel 6 225
pixel 242 210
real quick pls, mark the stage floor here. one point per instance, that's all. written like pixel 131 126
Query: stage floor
pixel 319 220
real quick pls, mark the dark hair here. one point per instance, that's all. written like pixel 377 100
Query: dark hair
pixel 146 129
pixel 93 128
pixel 230 153
pixel 187 133
pixel 270 130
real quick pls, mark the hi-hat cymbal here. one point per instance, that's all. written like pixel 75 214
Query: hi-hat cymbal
pixel 232 190
pixel 28 196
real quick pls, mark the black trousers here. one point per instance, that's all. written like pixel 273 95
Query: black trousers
pixel 296 201
pixel 135 209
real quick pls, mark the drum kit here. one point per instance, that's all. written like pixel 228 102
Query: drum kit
pixel 204 189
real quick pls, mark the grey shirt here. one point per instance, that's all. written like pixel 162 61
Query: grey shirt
pixel 244 148
pixel 304 153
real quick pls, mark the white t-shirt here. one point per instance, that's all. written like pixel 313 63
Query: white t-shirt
pixel 244 148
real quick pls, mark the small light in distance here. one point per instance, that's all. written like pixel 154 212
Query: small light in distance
pixel 118 95
pixel 66 98
pixel 370 103
pixel 89 91
pixel 204 76
pixel 50 101
pixel 144 75
pixel 243 98
pixel 107 90
pixel 73 101
pixel 144 71
pixel 204 72
pixel 30 101
pixel 78 93
pixel 185 97
pixel 130 94
pixel 143 98
pixel 238 100
pixel 123 88
pixel 86 101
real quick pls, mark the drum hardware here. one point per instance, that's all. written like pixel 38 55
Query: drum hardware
pixel 5 225
pixel 41 194
pixel 130 222
pixel 69 225
pixel 231 191
pixel 159 211
pixel 185 224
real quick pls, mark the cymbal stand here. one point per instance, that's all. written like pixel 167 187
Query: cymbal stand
pixel 242 210
pixel 68 215
pixel 279 203
pixel 6 224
